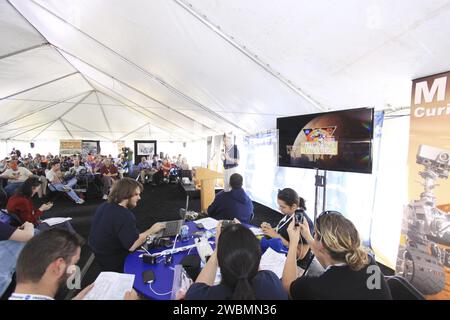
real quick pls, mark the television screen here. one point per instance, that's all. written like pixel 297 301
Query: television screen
pixel 338 141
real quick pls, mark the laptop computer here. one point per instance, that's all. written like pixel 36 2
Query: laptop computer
pixel 173 227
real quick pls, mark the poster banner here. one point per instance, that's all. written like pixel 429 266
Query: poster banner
pixel 70 147
pixel 90 147
pixel 424 252
pixel 144 148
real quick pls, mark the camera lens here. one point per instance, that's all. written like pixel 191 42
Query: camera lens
pixel 443 157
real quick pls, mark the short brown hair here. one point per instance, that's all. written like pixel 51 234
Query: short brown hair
pixel 124 189
pixel 42 250
pixel 236 181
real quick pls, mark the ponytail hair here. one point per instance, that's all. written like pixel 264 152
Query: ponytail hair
pixel 341 239
pixel 239 255
pixel 290 197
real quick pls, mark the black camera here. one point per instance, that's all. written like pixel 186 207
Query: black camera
pixel 155 243
pixel 226 223
pixel 299 216
pixel 149 259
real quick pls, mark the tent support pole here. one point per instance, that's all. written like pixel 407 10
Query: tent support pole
pixel 126 135
pixel 87 130
pixel 24 50
pixel 20 117
pixel 104 114
pixel 39 85
pixel 150 97
pixel 62 115
pixel 65 127
pixel 141 69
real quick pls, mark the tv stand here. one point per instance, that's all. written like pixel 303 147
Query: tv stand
pixel 320 183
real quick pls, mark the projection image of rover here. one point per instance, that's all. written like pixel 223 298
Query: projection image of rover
pixel 424 253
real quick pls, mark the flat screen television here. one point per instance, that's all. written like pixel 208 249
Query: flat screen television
pixel 338 140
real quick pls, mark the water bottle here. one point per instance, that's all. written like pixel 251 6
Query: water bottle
pixel 184 233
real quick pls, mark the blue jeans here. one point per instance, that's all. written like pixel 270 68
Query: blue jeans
pixel 9 252
pixel 12 187
pixel 70 193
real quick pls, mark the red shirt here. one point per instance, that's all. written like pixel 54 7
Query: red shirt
pixel 111 169
pixel 24 209
pixel 166 168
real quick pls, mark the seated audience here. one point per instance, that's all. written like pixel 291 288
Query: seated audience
pixel 80 172
pixel 77 167
pixel 54 177
pixel 184 164
pixel 110 175
pixel 97 165
pixel 16 176
pixel 165 167
pixel 27 164
pixel 22 205
pixel 288 202
pixel 46 263
pixel 238 255
pixel 233 204
pixel 3 165
pixel 113 232
pixel 157 173
pixel 179 160
pixel 145 169
pixel 337 246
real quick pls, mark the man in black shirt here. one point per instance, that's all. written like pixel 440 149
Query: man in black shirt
pixel 114 233
pixel 230 158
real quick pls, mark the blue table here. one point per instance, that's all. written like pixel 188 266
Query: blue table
pixel 162 285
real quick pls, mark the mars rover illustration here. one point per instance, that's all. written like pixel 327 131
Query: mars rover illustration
pixel 424 255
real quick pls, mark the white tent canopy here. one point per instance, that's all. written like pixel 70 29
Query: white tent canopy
pixel 178 71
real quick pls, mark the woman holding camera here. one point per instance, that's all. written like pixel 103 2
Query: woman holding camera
pixel 238 254
pixel 351 273
pixel 289 203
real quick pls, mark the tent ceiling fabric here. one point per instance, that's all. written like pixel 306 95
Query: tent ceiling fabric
pixel 181 70
pixel 15 33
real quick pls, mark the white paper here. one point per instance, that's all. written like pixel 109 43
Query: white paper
pixel 208 223
pixel 256 231
pixel 110 286
pixel 54 221
pixel 273 261
pixel 218 277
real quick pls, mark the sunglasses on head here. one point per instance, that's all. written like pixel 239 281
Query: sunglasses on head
pixel 320 216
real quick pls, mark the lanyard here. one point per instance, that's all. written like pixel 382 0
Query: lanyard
pixel 278 227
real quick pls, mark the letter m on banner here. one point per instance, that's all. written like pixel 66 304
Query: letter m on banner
pixel 429 93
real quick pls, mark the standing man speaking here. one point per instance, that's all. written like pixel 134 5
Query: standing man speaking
pixel 230 158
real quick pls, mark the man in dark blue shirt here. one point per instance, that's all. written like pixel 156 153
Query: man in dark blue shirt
pixel 233 204
pixel 114 233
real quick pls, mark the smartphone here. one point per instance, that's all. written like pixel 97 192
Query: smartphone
pixel 226 223
pixel 299 216
pixel 148 276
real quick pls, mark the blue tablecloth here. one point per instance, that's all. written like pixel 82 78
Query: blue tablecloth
pixel 161 287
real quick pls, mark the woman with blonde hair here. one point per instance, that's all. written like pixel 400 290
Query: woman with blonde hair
pixel 350 272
